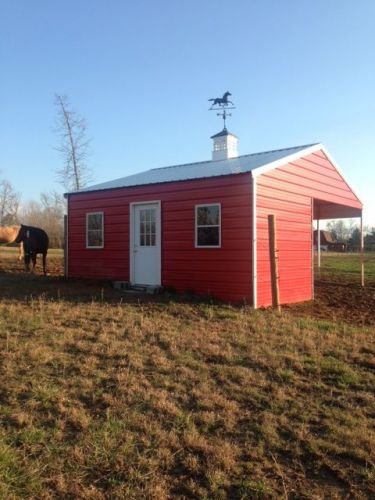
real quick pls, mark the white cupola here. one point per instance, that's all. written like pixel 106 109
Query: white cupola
pixel 225 145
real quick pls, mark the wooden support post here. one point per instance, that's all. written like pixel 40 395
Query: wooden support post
pixel 318 242
pixel 274 262
pixel 65 246
pixel 362 255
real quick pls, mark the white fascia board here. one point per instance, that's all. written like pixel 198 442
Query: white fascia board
pixel 286 159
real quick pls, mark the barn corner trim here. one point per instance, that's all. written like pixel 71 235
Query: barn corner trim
pixel 254 238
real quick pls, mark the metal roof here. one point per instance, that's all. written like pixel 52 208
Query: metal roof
pixel 223 133
pixel 201 170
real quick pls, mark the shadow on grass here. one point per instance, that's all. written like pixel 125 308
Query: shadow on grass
pixel 25 286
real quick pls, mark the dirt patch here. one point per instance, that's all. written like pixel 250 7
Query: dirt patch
pixel 339 299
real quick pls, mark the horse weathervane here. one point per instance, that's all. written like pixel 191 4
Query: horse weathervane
pixel 222 105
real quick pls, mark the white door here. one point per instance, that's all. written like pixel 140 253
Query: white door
pixel 145 253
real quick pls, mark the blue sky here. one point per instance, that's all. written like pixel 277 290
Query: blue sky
pixel 141 72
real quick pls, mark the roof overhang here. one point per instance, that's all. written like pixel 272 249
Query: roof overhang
pixel 326 210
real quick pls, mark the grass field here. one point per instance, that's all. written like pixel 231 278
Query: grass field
pixel 347 265
pixel 105 398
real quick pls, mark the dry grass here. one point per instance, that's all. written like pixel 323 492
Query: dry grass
pixel 108 399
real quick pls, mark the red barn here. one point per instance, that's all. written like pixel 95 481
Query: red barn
pixel 202 227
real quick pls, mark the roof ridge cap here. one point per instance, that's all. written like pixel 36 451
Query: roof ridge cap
pixel 235 158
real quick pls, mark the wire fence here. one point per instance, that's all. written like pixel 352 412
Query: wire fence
pixel 345 267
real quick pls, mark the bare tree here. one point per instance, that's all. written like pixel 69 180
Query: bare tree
pixel 74 146
pixel 9 203
pixel 47 214
pixel 341 229
pixel 53 201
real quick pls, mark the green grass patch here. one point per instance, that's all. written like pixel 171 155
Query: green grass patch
pixel 347 265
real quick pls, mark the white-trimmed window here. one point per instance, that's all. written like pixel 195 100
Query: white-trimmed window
pixel 208 225
pixel 95 230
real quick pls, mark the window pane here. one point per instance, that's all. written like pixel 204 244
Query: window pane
pixel 207 216
pixel 153 240
pixel 95 238
pixel 142 240
pixel 208 236
pixel 94 230
pixel 94 221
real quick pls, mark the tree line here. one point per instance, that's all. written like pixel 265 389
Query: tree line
pixel 348 231
pixel 73 174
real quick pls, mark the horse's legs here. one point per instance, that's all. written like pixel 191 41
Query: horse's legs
pixel 20 251
pixel 26 254
pixel 27 265
pixel 45 263
pixel 33 259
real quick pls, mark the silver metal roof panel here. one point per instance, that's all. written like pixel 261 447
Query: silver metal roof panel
pixel 201 170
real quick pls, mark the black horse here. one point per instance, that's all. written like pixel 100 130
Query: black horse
pixel 35 241
pixel 221 101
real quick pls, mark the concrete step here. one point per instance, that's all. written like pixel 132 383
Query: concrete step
pixel 127 287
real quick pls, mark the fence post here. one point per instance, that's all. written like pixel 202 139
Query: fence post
pixel 362 258
pixel 318 243
pixel 274 262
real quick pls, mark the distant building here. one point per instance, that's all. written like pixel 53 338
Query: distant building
pixel 327 242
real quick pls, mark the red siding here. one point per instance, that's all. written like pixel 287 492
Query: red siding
pixel 222 272
pixel 288 192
